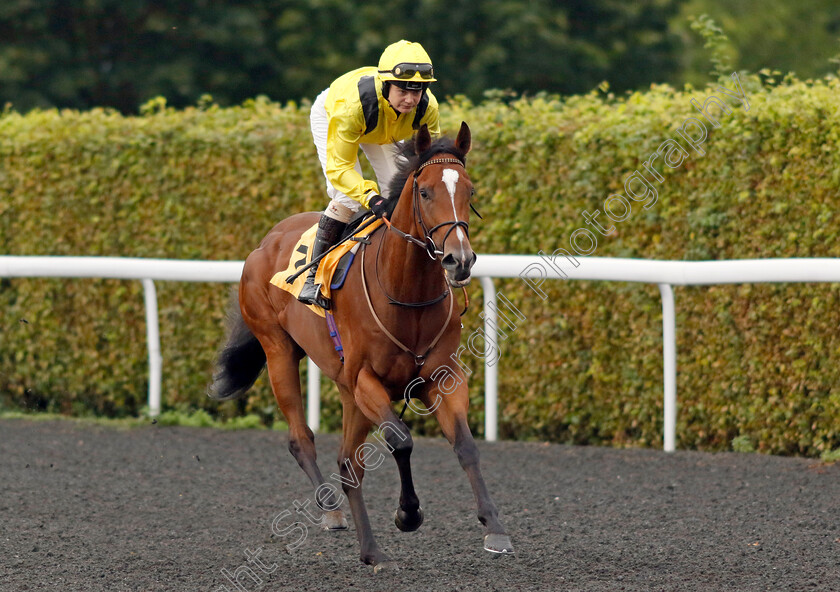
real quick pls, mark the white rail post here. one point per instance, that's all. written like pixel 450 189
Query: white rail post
pixel 313 395
pixel 491 371
pixel 669 368
pixel 153 345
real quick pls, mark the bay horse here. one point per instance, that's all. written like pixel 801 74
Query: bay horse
pixel 394 315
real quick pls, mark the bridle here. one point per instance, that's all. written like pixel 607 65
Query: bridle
pixel 431 247
pixel 428 244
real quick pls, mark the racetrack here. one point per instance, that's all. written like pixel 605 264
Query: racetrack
pixel 86 507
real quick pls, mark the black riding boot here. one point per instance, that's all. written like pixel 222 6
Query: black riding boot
pixel 329 231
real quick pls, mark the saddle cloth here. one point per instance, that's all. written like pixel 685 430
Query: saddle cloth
pixel 326 268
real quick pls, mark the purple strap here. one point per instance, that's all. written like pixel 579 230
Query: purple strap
pixel 336 338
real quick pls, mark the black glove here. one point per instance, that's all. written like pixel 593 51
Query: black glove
pixel 379 206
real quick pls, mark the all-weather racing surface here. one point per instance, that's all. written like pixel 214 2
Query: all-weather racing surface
pixel 86 507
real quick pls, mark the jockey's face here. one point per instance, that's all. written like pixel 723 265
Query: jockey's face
pixel 403 100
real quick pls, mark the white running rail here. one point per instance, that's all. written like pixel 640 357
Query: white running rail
pixel 531 269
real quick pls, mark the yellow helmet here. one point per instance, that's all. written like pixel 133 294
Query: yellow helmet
pixel 405 61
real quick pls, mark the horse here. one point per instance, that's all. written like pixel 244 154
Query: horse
pixel 402 333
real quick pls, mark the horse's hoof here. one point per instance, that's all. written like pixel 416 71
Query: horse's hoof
pixel 408 522
pixel 387 566
pixel 334 520
pixel 498 543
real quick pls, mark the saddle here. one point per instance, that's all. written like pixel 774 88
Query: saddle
pixel 333 268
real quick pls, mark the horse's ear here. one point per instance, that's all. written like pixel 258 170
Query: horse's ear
pixel 423 140
pixel 464 139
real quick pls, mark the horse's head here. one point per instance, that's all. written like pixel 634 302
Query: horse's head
pixel 441 195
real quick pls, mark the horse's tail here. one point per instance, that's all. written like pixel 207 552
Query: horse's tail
pixel 240 361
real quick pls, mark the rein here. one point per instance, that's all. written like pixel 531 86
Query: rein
pixel 393 300
pixel 418 359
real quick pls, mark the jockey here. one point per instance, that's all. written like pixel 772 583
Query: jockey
pixel 372 108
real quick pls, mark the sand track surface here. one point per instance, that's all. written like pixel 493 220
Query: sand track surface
pixel 85 507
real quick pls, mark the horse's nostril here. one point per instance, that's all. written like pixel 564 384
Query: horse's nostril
pixel 449 262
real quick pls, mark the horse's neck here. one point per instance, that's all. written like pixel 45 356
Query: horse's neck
pixel 406 271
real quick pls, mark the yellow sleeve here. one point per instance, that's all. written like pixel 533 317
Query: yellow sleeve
pixel 432 116
pixel 343 135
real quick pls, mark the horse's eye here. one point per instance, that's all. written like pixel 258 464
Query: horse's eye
pixel 424 194
pixel 472 191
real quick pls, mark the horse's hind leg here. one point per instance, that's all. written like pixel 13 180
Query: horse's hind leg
pixel 283 359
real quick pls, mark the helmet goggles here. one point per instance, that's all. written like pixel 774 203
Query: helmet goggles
pixel 409 71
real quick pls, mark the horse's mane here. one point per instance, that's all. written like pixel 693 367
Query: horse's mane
pixel 411 161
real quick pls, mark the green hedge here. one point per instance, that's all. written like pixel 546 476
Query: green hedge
pixel 754 361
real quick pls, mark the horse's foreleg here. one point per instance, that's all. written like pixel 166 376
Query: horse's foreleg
pixel 495 539
pixel 352 470
pixel 285 383
pixel 409 515
pixel 453 422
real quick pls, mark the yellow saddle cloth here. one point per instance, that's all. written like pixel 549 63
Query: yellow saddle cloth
pixel 301 255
